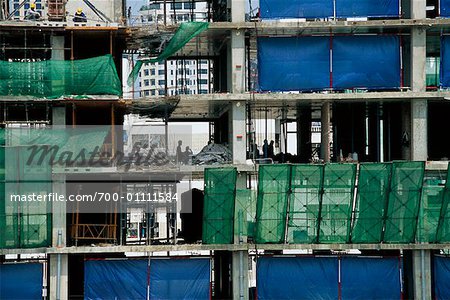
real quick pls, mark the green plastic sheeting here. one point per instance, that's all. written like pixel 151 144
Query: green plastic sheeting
pixel 404 202
pixel 182 36
pixel 337 199
pixel 245 212
pixel 443 229
pixel 430 209
pixel 371 201
pixel 54 79
pixel 24 224
pixel 219 206
pixel 271 210
pixel 304 203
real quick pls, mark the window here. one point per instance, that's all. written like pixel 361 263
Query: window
pixel 153 92
pixel 203 71
pixel 147 93
pixel 203 92
pixel 146 73
pixel 152 71
pixel 153 82
pixel 189 5
pixel 161 82
pixel 171 72
pixel 161 92
pixel 203 81
pixel 204 61
pixel 171 82
pixel 146 82
pixel 154 6
pixel 160 72
pixel 177 5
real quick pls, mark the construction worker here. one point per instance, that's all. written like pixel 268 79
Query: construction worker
pixel 32 14
pixel 80 16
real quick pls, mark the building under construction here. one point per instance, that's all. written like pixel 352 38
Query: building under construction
pixel 100 202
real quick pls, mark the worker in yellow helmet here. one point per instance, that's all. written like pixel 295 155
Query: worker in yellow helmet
pixel 31 13
pixel 80 16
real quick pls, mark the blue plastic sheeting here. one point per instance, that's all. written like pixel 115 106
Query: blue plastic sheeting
pixel 442 277
pixel 367 8
pixel 180 279
pixel 444 8
pixel 445 61
pixel 293 64
pixel 21 281
pixel 371 62
pixel 115 279
pixel 358 274
pixel 297 278
pixel 277 9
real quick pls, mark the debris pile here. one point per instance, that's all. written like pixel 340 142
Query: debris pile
pixel 213 154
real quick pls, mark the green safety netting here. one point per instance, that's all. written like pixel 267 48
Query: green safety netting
pixel 219 206
pixel 304 203
pixel 182 36
pixel 23 224
pixel 430 209
pixel 245 212
pixel 404 202
pixel 54 79
pixel 443 229
pixel 337 199
pixel 271 210
pixel 371 201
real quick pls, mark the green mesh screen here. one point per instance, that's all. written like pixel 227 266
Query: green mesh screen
pixel 54 79
pixel 245 212
pixel 271 210
pixel 304 203
pixel 403 203
pixel 371 201
pixel 182 36
pixel 24 224
pixel 430 209
pixel 443 230
pixel 337 199
pixel 218 212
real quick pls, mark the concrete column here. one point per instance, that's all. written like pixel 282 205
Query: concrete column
pixel 304 146
pixel 59 262
pixel 325 132
pixel 422 274
pixel 237 131
pixel 237 65
pixel 421 259
pixel 57 43
pixel 419 108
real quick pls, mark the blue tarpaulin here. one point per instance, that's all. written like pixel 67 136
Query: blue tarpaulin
pixel 277 9
pixel 371 62
pixel 21 281
pixel 115 279
pixel 180 279
pixel 367 8
pixel 444 8
pixel 358 274
pixel 294 64
pixel 442 277
pixel 297 278
pixel 445 61
pixel 128 279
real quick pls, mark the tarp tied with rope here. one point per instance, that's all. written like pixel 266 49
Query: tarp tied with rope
pixel 182 36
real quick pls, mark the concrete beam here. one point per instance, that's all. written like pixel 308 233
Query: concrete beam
pixel 223 247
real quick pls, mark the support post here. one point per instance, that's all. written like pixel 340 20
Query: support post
pixel 325 132
pixel 237 129
pixel 59 262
